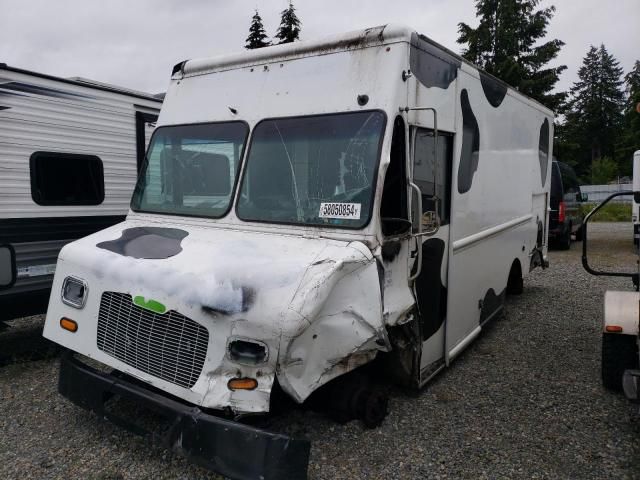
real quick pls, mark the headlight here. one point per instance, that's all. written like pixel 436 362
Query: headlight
pixel 247 352
pixel 74 292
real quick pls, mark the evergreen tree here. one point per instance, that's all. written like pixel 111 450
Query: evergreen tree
pixel 594 114
pixel 289 30
pixel 257 36
pixel 505 45
pixel 630 135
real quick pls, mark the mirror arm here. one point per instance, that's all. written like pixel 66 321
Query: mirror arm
pixel 585 261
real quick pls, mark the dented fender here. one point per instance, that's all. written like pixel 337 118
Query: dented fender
pixel 334 323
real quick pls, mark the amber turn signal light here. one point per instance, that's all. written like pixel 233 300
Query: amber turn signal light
pixel 242 384
pixel 613 328
pixel 68 324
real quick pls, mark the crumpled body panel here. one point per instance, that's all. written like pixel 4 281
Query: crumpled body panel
pixel 315 303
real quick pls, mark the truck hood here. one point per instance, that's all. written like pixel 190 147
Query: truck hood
pixel 315 302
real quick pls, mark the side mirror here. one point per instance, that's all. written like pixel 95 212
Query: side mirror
pixel 430 222
pixel 392 227
pixel 8 272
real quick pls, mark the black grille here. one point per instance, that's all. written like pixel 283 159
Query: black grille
pixel 168 346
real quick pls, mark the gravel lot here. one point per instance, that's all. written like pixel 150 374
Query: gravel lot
pixel 525 401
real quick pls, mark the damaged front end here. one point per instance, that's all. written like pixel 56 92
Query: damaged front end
pixel 192 324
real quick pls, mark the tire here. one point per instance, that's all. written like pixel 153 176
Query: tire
pixel 515 283
pixel 352 397
pixel 579 234
pixel 564 242
pixel 619 353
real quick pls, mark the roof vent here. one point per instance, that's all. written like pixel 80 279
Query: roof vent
pixel 178 67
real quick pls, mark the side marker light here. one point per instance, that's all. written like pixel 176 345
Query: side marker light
pixel 68 324
pixel 242 384
pixel 613 329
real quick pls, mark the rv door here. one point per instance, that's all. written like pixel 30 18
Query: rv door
pixel 7 266
pixel 145 124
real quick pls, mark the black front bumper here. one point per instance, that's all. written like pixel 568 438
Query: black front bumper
pixel 230 448
pixel 23 304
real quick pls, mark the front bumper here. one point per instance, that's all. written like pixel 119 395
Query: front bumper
pixel 230 448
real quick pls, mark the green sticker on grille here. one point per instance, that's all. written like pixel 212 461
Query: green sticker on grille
pixel 151 304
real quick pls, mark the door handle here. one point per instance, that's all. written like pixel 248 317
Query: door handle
pixel 418 235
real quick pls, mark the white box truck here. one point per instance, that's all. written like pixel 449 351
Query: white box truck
pixel 305 210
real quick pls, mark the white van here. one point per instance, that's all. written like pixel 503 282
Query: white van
pixel 69 156
pixel 305 209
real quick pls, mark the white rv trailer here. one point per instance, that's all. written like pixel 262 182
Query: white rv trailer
pixel 69 150
pixel 305 209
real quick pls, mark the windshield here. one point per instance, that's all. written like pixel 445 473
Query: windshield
pixel 317 170
pixel 191 169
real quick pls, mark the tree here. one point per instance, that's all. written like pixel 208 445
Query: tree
pixel 603 171
pixel 257 35
pixel 289 30
pixel 505 45
pixel 630 135
pixel 594 115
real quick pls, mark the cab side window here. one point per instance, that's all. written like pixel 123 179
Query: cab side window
pixel 432 170
pixel 394 193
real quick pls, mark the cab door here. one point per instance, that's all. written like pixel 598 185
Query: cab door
pixel 431 165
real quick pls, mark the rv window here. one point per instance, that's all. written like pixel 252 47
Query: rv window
pixel 191 169
pixel 66 179
pixel 423 170
pixel 317 170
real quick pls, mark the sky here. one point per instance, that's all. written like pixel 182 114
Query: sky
pixel 135 43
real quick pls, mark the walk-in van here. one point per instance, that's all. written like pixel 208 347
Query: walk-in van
pixel 305 210
pixel 69 152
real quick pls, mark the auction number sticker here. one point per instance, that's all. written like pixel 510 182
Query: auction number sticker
pixel 340 210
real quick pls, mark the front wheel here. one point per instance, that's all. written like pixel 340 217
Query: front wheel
pixel 619 353
pixel 579 234
pixel 515 283
pixel 564 242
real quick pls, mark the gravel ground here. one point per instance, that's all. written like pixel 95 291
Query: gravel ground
pixel 524 401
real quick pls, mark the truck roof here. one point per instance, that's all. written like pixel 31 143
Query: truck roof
pixel 349 41
pixel 354 40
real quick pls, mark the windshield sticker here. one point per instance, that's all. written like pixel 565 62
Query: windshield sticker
pixel 340 210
